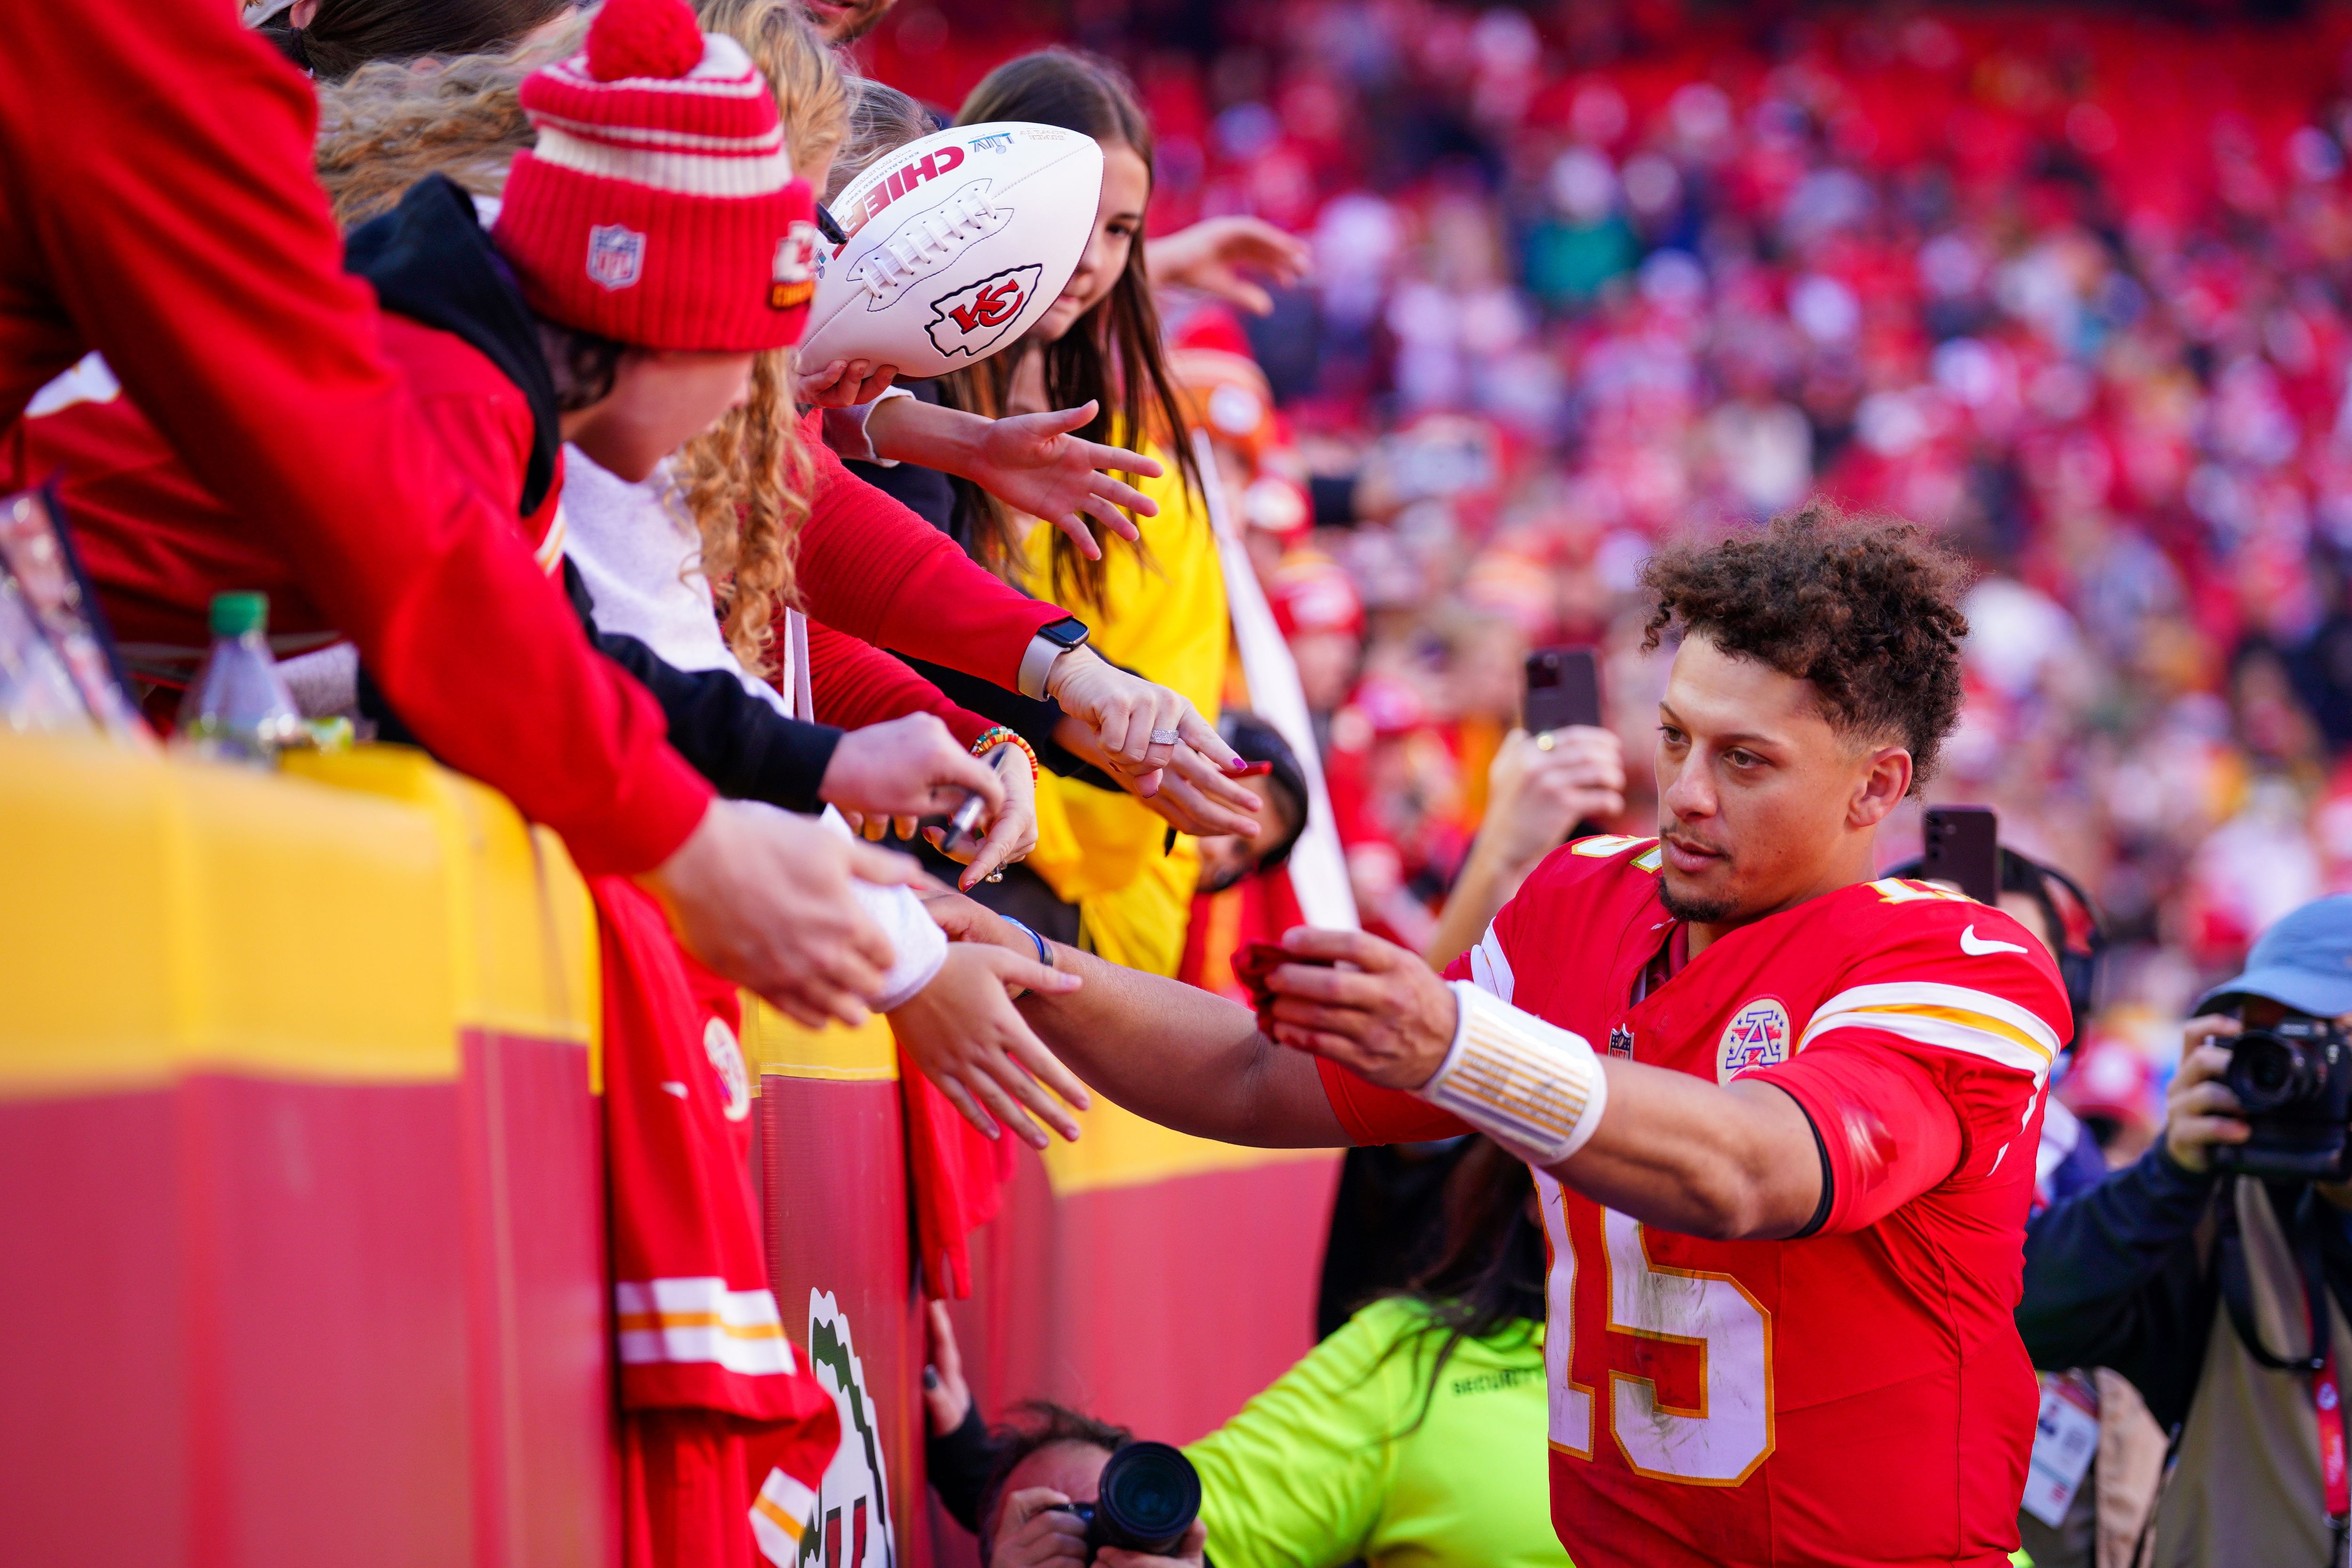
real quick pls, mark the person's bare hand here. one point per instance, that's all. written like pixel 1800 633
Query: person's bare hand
pixel 1033 1531
pixel 1388 1017
pixel 962 1031
pixel 1191 1552
pixel 908 767
pixel 1191 794
pixel 1127 713
pixel 1535 794
pixel 968 919
pixel 1011 829
pixel 1032 462
pixel 762 897
pixel 2199 1109
pixel 1214 256
pixel 947 1397
pixel 843 384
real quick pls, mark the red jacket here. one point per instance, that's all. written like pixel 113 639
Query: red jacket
pixel 159 545
pixel 871 568
pixel 157 204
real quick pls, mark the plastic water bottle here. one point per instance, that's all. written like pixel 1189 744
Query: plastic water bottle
pixel 237 708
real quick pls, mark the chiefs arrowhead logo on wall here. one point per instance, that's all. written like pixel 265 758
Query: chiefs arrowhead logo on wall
pixel 970 320
pixel 853 1511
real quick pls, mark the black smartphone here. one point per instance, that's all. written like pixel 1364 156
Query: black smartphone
pixel 1963 848
pixel 1563 688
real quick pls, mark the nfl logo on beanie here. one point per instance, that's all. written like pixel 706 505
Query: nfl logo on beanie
pixel 658 206
pixel 616 255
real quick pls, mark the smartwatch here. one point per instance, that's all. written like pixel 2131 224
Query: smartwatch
pixel 1050 643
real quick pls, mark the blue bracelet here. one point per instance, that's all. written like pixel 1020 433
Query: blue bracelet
pixel 1045 954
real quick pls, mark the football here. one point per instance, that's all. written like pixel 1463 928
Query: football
pixel 957 244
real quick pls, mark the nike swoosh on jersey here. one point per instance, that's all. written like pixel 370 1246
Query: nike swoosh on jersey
pixel 1976 946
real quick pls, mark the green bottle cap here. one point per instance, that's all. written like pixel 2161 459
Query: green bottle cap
pixel 234 614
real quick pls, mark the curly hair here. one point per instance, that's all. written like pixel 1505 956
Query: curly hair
pixel 1864 608
pixel 746 483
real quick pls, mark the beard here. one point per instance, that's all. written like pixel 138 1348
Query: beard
pixel 1695 911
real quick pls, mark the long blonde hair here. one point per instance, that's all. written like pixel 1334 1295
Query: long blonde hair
pixel 389 124
pixel 746 482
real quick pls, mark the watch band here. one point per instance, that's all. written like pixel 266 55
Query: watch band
pixel 1036 664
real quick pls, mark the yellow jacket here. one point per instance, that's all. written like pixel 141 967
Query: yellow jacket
pixel 1165 619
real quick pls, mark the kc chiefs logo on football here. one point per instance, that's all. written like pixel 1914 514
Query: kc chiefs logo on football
pixel 1757 1037
pixel 970 320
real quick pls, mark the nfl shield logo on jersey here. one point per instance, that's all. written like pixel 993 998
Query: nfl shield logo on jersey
pixel 1758 1037
pixel 616 255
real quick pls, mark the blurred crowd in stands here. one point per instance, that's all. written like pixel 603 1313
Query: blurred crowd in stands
pixel 2069 288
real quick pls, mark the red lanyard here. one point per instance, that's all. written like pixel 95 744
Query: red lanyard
pixel 2328 1403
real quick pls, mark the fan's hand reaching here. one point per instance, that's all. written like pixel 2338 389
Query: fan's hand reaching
pixel 1214 255
pixel 1137 725
pixel 1013 831
pixel 1193 795
pixel 843 383
pixel 1032 462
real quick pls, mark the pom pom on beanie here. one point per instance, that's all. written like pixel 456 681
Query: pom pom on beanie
pixel 644 38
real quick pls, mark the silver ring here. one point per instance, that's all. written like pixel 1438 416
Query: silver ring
pixel 1547 741
pixel 1166 737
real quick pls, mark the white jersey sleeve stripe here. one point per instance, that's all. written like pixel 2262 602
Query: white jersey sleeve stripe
pixel 1921 996
pixel 700 1320
pixel 1948 1031
pixel 1490 966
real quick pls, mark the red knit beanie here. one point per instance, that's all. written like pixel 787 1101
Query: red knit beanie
pixel 658 207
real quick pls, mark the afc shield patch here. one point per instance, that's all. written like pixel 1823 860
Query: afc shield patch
pixel 795 273
pixel 726 1055
pixel 1757 1037
pixel 970 320
pixel 616 255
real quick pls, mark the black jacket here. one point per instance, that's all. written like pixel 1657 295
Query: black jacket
pixel 429 259
pixel 2126 1274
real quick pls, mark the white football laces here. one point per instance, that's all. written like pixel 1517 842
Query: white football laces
pixel 924 243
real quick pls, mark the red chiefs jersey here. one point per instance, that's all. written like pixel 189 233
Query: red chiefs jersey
pixel 1858 1396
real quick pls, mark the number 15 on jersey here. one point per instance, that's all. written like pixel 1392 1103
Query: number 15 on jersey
pixel 1721 1440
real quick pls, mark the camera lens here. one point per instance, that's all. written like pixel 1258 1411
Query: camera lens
pixel 1150 1495
pixel 2267 1072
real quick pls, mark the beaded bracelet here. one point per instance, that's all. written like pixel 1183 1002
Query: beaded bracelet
pixel 1002 735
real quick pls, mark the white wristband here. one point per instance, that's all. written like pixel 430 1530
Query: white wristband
pixel 1532 1087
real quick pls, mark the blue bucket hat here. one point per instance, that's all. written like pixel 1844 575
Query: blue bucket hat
pixel 2305 961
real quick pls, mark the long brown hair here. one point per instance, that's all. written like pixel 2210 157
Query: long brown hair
pixel 347 34
pixel 747 482
pixel 1112 355
pixel 1489 1279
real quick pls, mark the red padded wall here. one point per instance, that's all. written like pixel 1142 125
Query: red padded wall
pixel 833 1184
pixel 257 1322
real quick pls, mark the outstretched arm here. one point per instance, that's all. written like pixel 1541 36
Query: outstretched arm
pixel 1672 1149
pixel 1170 1052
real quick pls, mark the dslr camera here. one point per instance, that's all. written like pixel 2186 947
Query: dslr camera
pixel 1149 1496
pixel 2294 1079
